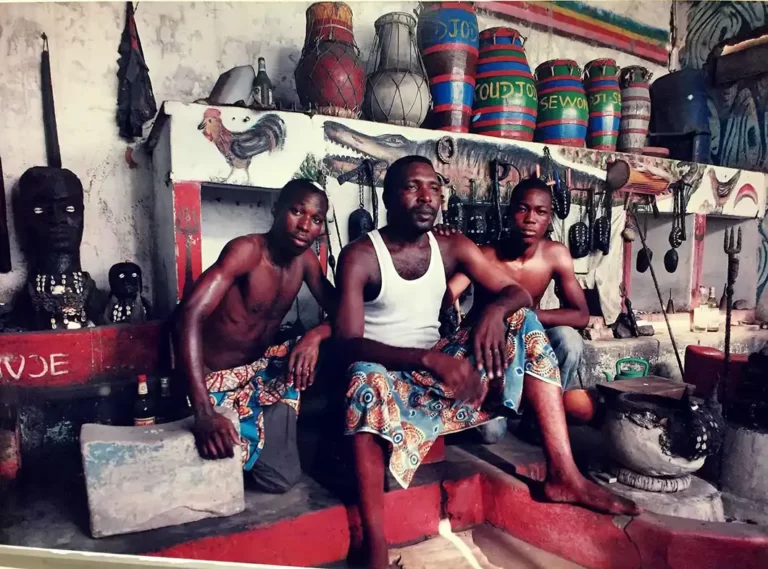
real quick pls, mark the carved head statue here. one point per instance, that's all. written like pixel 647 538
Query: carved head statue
pixel 125 280
pixel 50 204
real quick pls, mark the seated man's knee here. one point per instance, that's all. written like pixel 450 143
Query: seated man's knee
pixel 567 342
pixel 278 468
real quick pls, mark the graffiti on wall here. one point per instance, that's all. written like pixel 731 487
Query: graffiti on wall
pixel 738 125
pixel 738 112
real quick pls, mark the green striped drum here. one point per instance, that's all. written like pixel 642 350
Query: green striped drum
pixel 563 111
pixel 505 92
pixel 601 83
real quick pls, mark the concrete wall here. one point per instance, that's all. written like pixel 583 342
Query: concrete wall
pixel 643 293
pixel 187 46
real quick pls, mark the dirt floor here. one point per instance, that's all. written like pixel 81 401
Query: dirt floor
pixel 483 547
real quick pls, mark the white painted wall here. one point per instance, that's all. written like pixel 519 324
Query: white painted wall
pixel 187 46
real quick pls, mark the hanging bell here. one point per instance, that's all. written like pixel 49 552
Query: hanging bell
pixel 360 223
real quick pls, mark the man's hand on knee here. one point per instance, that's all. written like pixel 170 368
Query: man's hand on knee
pixel 459 376
pixel 215 436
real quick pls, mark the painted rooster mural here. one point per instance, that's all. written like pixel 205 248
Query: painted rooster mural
pixel 239 148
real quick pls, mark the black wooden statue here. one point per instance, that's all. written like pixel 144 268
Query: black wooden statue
pixel 126 304
pixel 58 294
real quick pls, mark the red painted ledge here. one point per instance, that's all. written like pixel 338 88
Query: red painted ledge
pixel 74 357
pixel 593 540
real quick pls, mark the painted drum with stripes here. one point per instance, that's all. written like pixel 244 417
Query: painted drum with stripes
pixel 563 111
pixel 601 83
pixel 448 40
pixel 505 92
pixel 635 109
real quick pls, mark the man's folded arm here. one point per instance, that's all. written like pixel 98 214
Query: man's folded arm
pixel 510 296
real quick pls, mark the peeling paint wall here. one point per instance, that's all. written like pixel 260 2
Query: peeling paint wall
pixel 187 46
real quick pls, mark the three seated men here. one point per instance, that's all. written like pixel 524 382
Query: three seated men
pixel 407 385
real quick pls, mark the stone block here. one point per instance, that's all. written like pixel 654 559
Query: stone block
pixel 141 478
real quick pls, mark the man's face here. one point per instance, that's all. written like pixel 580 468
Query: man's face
pixel 531 215
pixel 54 215
pixel 418 198
pixel 302 221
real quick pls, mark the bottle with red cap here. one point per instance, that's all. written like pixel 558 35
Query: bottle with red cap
pixel 143 408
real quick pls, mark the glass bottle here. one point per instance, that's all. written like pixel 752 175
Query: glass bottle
pixel 143 408
pixel 165 406
pixel 262 88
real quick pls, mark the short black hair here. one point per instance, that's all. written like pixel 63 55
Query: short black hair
pixel 296 188
pixel 532 183
pixel 396 171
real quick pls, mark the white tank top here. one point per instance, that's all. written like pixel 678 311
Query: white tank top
pixel 405 314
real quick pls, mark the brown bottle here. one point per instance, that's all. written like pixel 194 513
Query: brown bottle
pixel 262 88
pixel 143 408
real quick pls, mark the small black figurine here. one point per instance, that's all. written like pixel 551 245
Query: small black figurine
pixel 126 305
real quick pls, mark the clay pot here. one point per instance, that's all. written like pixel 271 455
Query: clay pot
pixel 330 76
pixel 397 92
pixel 633 435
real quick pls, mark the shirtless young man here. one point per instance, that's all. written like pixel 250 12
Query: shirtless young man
pixel 533 262
pixel 407 385
pixel 228 326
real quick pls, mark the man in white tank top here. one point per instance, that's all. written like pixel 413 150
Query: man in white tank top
pixel 407 385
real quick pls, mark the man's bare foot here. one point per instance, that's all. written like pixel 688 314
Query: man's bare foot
pixel 582 492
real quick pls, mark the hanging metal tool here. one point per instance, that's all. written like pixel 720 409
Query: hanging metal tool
pixel 493 218
pixel 477 228
pixel 658 292
pixel 578 238
pixel 561 197
pixel 360 221
pixel 677 233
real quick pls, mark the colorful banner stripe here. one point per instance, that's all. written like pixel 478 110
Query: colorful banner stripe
pixel 584 22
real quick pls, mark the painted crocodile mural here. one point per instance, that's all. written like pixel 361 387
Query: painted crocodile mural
pixel 471 159
pixel 649 176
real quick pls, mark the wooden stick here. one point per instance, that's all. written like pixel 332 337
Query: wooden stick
pixel 658 293
pixel 5 240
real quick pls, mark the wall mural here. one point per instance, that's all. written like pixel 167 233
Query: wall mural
pixel 738 119
pixel 267 149
pixel 239 148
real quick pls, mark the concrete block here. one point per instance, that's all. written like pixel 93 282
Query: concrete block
pixel 141 478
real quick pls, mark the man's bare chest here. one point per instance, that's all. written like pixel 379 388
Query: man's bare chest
pixel 533 277
pixel 270 293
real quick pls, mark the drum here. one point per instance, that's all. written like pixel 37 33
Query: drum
pixel 505 92
pixel 330 76
pixel 601 84
pixel 635 109
pixel 563 111
pixel 448 40
pixel 329 21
